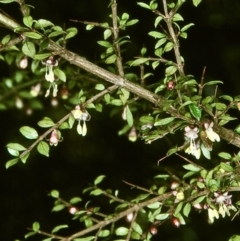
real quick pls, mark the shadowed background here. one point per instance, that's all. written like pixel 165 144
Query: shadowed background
pixel 213 42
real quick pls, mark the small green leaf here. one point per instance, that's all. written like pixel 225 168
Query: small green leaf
pixel 96 192
pixel 104 233
pixel 32 35
pixel 191 167
pixel 43 148
pixel 162 216
pixel 58 207
pixel 42 56
pixel 154 205
pixel 28 49
pixel 213 82
pixel 225 155
pixel 121 231
pixel 157 21
pixel 99 87
pixel 25 157
pixel 143 5
pixel 164 121
pixel 186 209
pixel 196 2
pixel 28 21
pixel 137 228
pixel 187 27
pixel 99 179
pixel 170 70
pixel 29 234
pixel 75 200
pixel 235 238
pixel 129 116
pixel 56 229
pixel 162 190
pixel 195 111
pixel 5 40
pixel 29 132
pixel 16 146
pixel 156 34
pixel 139 61
pixel 46 122
pixel 54 193
pixel 198 200
pixel 11 162
pixel 35 226
pixel 60 74
pixel 71 32
pixel 178 208
pixel 42 23
pixel 226 167
pixel 107 33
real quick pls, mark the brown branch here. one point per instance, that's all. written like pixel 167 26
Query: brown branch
pixel 228 135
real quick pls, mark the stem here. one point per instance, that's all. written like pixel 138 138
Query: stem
pixel 168 20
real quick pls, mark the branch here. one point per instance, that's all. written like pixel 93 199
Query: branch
pixel 228 135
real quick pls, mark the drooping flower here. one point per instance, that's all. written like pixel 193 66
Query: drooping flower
pixel 55 138
pixel 80 114
pixel 49 75
pixel 191 135
pixel 211 135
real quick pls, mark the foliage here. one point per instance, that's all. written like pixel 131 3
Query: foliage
pixel 174 105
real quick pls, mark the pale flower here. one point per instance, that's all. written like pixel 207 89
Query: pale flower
pixel 212 135
pixel 191 134
pixel 80 114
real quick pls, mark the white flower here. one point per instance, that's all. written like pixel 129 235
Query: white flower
pixel 191 134
pixel 55 138
pixel 81 114
pixel 212 135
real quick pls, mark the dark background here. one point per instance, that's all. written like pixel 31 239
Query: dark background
pixel 213 42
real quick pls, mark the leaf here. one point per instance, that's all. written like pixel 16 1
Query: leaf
pixel 187 27
pixel 139 61
pixel 196 2
pixel 16 146
pixel 99 87
pixel 191 167
pixel 129 116
pixel 235 238
pixel 60 74
pixel 226 167
pixel 164 121
pixel 42 23
pixel 5 40
pixel 43 148
pixel 157 21
pixel 7 1
pixel 35 226
pixel 170 70
pixel 137 228
pixel 54 193
pixel 46 122
pixel 195 111
pixel 162 216
pixel 32 35
pixel 99 179
pixel 225 155
pixel 29 132
pixel 25 157
pixel 96 192
pixel 143 5
pixel 121 231
pixel 154 205
pixel 198 200
pixel 71 32
pixel 75 200
pixel 213 82
pixel 11 162
pixel 107 33
pixel 186 209
pixel 28 49
pixel 42 56
pixel 178 208
pixel 104 233
pixel 156 34
pixel 58 207
pixel 56 229
pixel 28 21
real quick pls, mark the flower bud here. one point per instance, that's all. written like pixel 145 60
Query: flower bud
pixel 72 210
pixel 153 230
pixel 129 217
pixel 176 222
pixel 170 85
